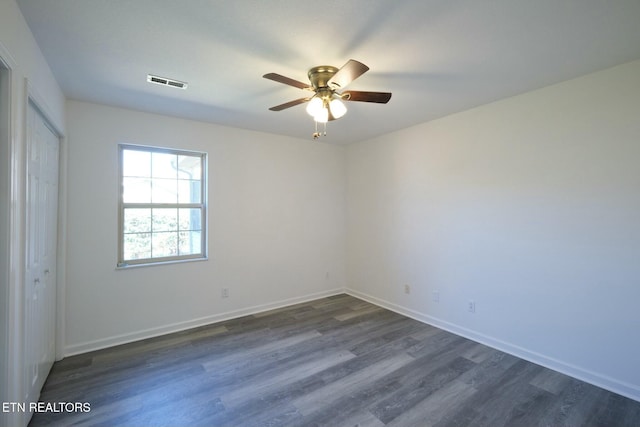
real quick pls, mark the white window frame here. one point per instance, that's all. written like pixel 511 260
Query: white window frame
pixel 202 255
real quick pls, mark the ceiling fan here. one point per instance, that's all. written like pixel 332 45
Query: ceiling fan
pixel 327 83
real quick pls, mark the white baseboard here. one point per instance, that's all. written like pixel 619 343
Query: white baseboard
pixel 623 388
pixel 189 324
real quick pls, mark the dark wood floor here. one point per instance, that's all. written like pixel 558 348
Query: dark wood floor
pixel 336 361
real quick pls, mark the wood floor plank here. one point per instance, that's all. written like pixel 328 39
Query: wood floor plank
pixel 377 390
pixel 159 344
pixel 533 405
pixel 435 343
pixel 479 353
pixel 419 388
pixel 551 381
pixel 488 372
pixel 493 412
pixel 262 383
pixel 255 353
pixel 349 384
pixel 386 334
pixel 430 410
pixel 358 312
pixel 575 405
pixel 336 361
pixel 359 419
pixel 380 354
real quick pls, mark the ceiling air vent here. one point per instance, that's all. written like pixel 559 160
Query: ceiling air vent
pixel 166 82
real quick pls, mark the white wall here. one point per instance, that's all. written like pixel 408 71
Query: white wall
pixel 529 206
pixel 276 227
pixel 20 53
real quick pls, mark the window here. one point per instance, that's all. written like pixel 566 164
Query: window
pixel 162 209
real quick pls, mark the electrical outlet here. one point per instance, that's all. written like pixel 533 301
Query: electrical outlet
pixel 435 296
pixel 407 289
pixel 225 293
pixel 471 306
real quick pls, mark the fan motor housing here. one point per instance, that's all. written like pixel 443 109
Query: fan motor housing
pixel 320 76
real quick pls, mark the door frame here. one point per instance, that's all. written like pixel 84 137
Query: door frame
pixel 5 220
pixel 12 223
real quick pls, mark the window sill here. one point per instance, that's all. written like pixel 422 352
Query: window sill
pixel 158 263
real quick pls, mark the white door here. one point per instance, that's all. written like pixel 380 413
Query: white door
pixel 41 243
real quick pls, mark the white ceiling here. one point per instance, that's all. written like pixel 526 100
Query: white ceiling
pixel 437 57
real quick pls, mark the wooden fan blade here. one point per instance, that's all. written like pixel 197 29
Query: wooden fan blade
pixel 289 104
pixel 348 73
pixel 286 80
pixel 355 95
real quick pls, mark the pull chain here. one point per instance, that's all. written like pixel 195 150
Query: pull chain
pixel 317 134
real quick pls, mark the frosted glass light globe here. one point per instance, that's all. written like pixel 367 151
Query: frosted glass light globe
pixel 322 116
pixel 314 106
pixel 338 108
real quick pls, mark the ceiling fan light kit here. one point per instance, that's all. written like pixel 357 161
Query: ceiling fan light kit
pixel 326 82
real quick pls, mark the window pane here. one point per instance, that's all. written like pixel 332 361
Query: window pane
pixel 165 219
pixel 190 242
pixel 136 190
pixel 190 219
pixel 164 165
pixel 137 246
pixel 189 191
pixel 189 167
pixel 164 191
pixel 136 163
pixel 137 220
pixel 162 205
pixel 164 244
